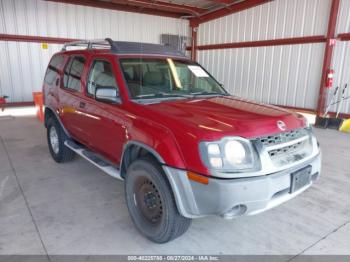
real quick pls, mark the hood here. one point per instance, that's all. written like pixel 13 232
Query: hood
pixel 215 117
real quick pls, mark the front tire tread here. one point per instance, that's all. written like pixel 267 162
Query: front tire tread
pixel 175 224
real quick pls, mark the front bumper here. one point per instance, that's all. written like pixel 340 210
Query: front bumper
pixel 236 197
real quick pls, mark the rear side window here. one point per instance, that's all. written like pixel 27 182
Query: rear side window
pixel 101 75
pixel 53 69
pixel 73 72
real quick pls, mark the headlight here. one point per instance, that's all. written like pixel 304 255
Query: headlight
pixel 231 154
pixel 235 152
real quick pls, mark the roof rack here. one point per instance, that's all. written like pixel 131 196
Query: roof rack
pixel 121 47
pixel 89 44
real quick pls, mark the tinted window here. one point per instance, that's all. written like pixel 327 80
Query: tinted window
pixel 53 69
pixel 101 75
pixel 73 72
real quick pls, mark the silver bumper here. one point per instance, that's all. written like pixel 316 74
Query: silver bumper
pixel 236 197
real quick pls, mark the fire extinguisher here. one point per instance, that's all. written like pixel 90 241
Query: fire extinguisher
pixel 328 91
pixel 330 78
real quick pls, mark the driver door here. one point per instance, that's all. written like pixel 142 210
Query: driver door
pixel 104 122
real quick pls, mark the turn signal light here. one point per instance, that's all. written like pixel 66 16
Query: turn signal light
pixel 198 178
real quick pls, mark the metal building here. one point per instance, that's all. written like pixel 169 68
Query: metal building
pixel 277 52
pixel 25 21
pixel 183 147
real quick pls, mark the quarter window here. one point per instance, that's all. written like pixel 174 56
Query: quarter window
pixel 53 69
pixel 101 75
pixel 73 72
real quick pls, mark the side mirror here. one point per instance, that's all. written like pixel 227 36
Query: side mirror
pixel 107 94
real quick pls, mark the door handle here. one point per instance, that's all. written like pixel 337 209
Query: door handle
pixel 82 104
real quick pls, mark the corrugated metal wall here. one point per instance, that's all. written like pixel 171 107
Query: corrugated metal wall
pixel 341 66
pixel 343 24
pixel 274 20
pixel 22 69
pixel 341 57
pixel 283 75
pixel 23 64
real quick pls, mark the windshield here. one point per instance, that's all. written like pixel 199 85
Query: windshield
pixel 167 78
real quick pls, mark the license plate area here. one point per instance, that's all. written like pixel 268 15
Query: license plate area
pixel 300 178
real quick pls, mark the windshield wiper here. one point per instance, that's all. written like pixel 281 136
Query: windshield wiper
pixel 205 93
pixel 172 95
pixel 162 95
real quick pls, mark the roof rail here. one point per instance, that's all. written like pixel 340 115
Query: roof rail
pixel 122 47
pixel 89 44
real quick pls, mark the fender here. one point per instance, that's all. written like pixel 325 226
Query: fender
pixel 157 139
pixel 55 113
pixel 144 146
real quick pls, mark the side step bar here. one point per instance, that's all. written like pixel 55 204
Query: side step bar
pixel 94 159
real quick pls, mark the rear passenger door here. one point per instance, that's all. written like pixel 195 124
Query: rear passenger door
pixel 70 95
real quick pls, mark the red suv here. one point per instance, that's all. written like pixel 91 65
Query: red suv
pixel 184 147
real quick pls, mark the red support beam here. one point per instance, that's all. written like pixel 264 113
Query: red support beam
pixel 328 54
pixel 18 104
pixel 344 37
pixel 122 7
pixel 229 9
pixel 341 115
pixel 35 39
pixel 299 109
pixel 164 6
pixel 313 111
pixel 194 32
pixel 226 2
pixel 263 43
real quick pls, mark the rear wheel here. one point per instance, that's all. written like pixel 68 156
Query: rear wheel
pixel 55 139
pixel 151 202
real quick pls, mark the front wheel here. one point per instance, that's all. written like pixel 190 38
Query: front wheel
pixel 151 202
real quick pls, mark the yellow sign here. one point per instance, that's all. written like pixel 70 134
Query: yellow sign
pixel 44 45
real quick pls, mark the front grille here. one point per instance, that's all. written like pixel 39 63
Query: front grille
pixel 286 150
pixel 281 148
pixel 282 137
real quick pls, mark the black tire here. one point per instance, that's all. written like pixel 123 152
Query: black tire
pixel 154 213
pixel 62 153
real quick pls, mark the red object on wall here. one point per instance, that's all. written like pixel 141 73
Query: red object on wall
pixel 2 103
pixel 39 105
pixel 330 78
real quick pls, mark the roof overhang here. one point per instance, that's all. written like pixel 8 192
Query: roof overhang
pixel 197 11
